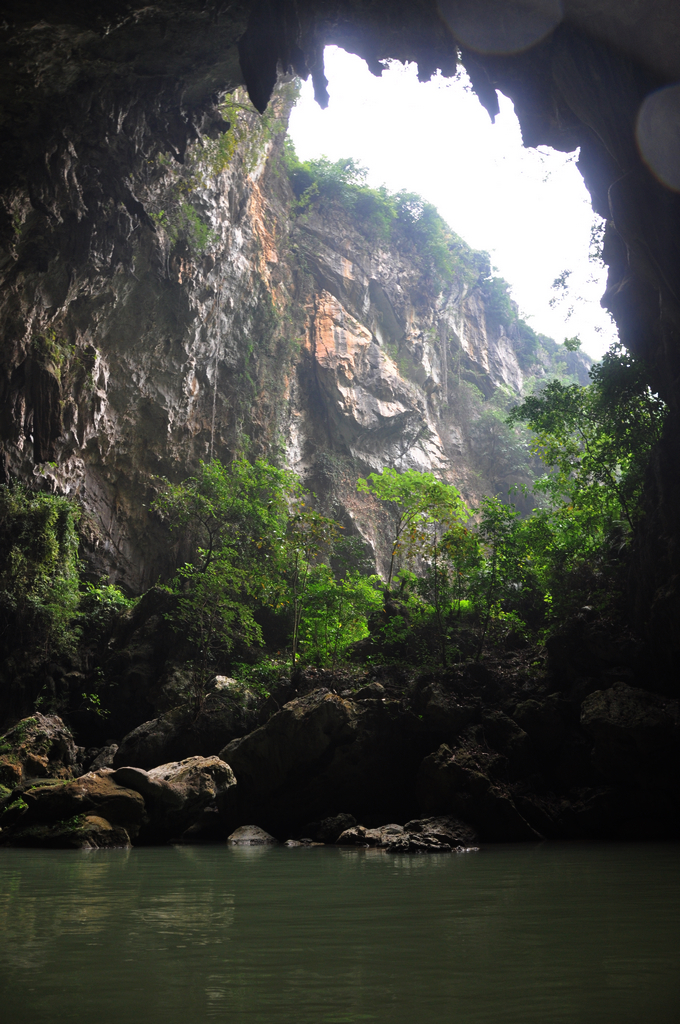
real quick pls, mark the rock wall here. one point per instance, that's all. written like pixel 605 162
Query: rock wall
pixel 236 321
pixel 112 380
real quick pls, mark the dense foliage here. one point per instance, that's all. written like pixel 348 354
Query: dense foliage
pixel 265 580
pixel 48 613
pixel 38 570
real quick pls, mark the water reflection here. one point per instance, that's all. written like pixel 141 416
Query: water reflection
pixel 514 935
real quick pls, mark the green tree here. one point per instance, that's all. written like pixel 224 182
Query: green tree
pixel 499 569
pixel 309 537
pixel 235 518
pixel 596 440
pixel 335 613
pixel 460 549
pixel 39 569
pixel 418 501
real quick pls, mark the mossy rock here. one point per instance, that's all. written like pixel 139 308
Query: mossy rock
pixel 80 832
pixel 10 771
pixel 37 746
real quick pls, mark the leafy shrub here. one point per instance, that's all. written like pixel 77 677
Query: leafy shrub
pixel 335 613
pixel 38 571
pixel 100 604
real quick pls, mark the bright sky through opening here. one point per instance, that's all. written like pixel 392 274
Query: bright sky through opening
pixel 528 208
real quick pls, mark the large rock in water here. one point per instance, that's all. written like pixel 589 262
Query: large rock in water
pixel 37 747
pixel 321 754
pixel 462 783
pixel 176 793
pixel 251 835
pixel 427 835
pixel 57 813
pixel 83 832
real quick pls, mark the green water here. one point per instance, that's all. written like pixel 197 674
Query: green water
pixel 579 934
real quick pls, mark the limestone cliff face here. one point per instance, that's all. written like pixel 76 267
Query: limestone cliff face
pixel 382 374
pixel 236 322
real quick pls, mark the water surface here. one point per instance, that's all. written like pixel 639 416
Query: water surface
pixel 551 934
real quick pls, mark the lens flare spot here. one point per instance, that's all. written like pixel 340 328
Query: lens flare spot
pixel 500 26
pixel 658 134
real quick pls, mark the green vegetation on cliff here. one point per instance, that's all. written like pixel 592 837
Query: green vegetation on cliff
pixel 267 580
pixel 38 570
pixel 414 227
pixel 402 219
pixel 458 579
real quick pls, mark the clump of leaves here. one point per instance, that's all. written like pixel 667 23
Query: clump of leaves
pixel 235 519
pixel 39 582
pixel 335 613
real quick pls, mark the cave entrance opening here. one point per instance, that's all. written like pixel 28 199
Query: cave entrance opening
pixel 529 208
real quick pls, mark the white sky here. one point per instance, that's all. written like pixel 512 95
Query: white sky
pixel 528 208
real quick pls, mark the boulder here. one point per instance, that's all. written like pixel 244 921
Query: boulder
pixel 444 713
pixel 149 743
pixel 443 829
pixel 546 722
pixel 37 747
pixel 505 736
pixel 636 734
pixel 176 793
pixel 322 751
pixel 427 835
pixel 104 757
pixel 373 691
pixel 181 733
pixel 82 832
pixel 328 830
pixel 463 783
pixel 382 837
pixel 251 835
pixel 53 802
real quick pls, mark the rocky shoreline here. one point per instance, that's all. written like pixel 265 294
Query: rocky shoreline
pixel 458 757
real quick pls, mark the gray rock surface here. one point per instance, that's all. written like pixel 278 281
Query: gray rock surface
pixel 104 758
pixel 251 835
pixel 636 733
pixel 182 733
pixel 428 835
pixel 321 752
pixel 175 794
pixel 145 354
pixel 464 783
pixel 443 829
pixel 46 812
